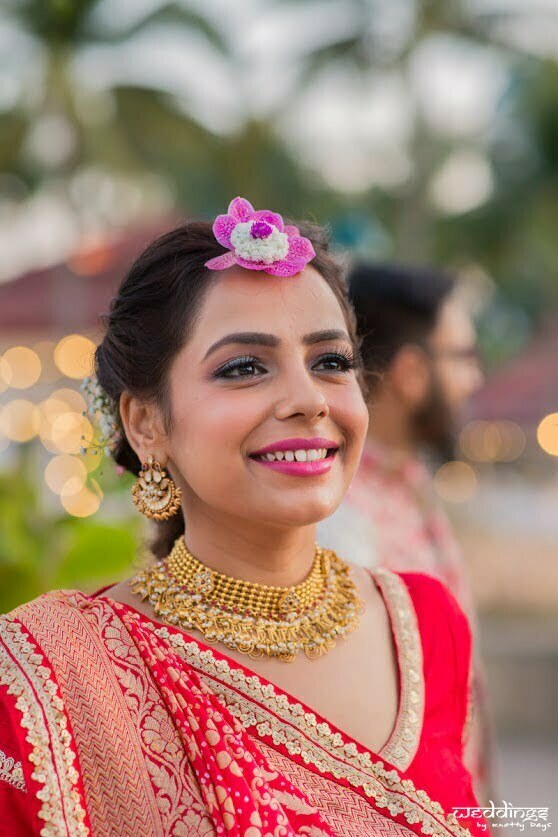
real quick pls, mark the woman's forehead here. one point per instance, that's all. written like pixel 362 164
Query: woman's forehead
pixel 243 301
pixel 247 299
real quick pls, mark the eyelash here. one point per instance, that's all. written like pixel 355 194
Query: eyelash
pixel 350 361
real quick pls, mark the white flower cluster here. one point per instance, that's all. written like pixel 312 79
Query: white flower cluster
pixel 271 249
pixel 101 410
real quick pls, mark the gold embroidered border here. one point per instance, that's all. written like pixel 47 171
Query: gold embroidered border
pixel 471 710
pixel 348 814
pixel 135 770
pixel 291 723
pixel 403 743
pixel 52 755
pixel 11 771
pixel 290 738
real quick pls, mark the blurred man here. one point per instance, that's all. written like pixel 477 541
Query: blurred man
pixel 420 354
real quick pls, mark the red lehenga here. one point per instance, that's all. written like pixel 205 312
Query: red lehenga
pixel 114 724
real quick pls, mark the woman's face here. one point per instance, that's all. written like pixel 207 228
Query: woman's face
pixel 231 398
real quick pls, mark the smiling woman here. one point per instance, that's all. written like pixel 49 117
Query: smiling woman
pixel 186 369
pixel 133 710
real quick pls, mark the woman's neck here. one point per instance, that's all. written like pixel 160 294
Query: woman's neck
pixel 264 555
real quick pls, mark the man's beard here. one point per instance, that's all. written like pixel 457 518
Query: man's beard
pixel 433 424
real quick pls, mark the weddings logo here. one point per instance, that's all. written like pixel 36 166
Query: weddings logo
pixel 514 816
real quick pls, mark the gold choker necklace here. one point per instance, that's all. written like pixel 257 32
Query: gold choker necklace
pixel 253 618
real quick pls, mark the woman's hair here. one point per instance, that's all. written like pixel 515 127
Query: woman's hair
pixel 152 317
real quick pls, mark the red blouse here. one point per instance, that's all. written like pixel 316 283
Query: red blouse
pixel 437 764
pixel 433 640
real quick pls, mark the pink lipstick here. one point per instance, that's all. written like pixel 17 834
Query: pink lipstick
pixel 300 469
pixel 293 466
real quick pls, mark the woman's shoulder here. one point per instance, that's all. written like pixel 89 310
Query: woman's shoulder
pixel 446 640
pixel 444 628
pixel 42 628
pixel 435 605
pixel 22 626
pixel 422 596
pixel 59 599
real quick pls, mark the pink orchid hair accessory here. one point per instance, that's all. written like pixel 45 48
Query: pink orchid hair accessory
pixel 259 240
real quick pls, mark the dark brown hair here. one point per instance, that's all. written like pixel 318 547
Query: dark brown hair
pixel 395 304
pixel 154 313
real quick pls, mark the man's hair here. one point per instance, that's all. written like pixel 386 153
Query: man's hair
pixel 395 304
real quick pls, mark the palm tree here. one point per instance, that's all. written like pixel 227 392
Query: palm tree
pixel 365 46
pixel 62 31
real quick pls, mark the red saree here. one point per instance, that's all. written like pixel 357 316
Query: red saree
pixel 114 724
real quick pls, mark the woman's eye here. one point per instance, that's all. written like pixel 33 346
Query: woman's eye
pixel 238 364
pixel 339 362
pixel 344 362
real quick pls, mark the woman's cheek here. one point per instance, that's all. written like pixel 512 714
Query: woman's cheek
pixel 351 414
pixel 211 439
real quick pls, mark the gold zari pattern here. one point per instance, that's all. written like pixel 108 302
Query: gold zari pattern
pixel 254 618
pixel 274 717
pixel 404 742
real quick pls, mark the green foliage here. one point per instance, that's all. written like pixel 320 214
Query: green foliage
pixel 42 550
pixel 62 30
pixel 96 554
pixel 62 24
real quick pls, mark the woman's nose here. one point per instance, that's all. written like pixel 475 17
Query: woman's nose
pixel 302 395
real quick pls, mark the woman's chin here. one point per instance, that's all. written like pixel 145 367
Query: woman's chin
pixel 301 513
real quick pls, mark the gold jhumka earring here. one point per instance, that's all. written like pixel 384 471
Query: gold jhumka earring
pixel 154 493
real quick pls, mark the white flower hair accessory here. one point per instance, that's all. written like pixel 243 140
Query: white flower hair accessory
pixel 259 240
pixel 102 413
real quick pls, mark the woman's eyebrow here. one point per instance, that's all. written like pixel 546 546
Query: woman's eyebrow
pixel 260 338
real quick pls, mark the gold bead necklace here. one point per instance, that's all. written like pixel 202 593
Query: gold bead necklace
pixel 254 618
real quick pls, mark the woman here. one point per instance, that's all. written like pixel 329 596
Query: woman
pixel 247 682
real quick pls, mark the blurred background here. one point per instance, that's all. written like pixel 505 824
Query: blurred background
pixel 423 132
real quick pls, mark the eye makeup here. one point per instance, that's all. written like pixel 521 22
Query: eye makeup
pixel 343 356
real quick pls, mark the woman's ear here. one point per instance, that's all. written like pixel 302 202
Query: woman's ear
pixel 142 425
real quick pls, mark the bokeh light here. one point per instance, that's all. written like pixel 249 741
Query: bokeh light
pixel 92 256
pixel 65 475
pixel 45 350
pixel 61 402
pixel 83 503
pixel 492 441
pixel 24 365
pixel 19 420
pixel 5 374
pixel 71 397
pixel 73 356
pixel 67 430
pixel 455 481
pixel 547 434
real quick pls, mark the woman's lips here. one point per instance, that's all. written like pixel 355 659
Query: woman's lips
pixel 299 469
